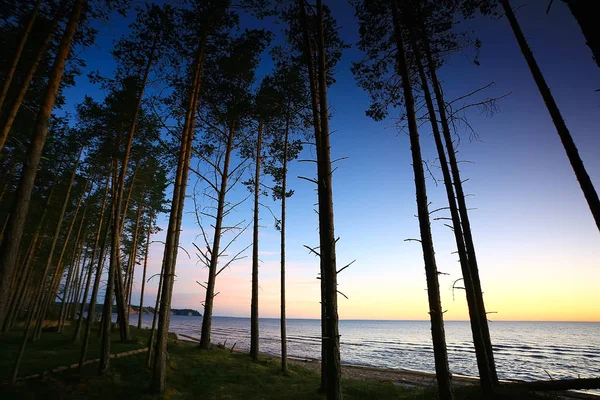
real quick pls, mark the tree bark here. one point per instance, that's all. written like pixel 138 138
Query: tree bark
pixel 170 255
pixel 214 259
pixel 462 207
pixel 18 213
pixel 151 347
pixel 13 67
pixel 12 113
pixel 326 224
pixel 80 281
pixel 59 270
pixel 314 96
pixel 50 295
pixel 254 334
pixel 26 265
pixel 91 266
pixel 115 269
pixel 94 298
pixel 486 379
pixel 144 273
pixel 433 291
pixel 131 266
pixel 37 310
pixel 581 174
pixel 71 282
pixel 283 201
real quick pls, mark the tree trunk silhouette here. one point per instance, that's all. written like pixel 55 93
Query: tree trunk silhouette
pixel 314 96
pixel 581 174
pixel 433 291
pixel 117 224
pixel 131 266
pixel 462 206
pixel 17 56
pixel 151 347
pixel 172 242
pixel 50 294
pixel 59 265
pixel 95 289
pixel 80 282
pixel 12 113
pixel 212 271
pixel 69 285
pixel 283 200
pixel 91 267
pixel 327 238
pixel 485 374
pixel 254 334
pixel 37 310
pixel 144 273
pixel 26 266
pixel 18 213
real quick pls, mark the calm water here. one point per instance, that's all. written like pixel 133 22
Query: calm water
pixel 523 350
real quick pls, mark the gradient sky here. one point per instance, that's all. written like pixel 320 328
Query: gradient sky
pixel 536 241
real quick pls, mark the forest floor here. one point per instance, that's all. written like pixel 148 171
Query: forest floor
pixel 193 373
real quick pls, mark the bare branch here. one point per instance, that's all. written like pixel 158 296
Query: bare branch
pixel 346 266
pixel 309 179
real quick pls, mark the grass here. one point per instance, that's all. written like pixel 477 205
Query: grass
pixel 192 374
pixel 55 350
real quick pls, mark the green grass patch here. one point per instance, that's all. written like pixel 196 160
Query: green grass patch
pixel 55 350
pixel 192 374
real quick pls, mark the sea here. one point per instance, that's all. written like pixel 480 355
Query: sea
pixel 522 350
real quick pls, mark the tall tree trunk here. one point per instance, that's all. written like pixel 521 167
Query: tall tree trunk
pixel 485 374
pixel 581 174
pixel 73 269
pixel 254 335
pixel 283 200
pixel 27 263
pixel 50 295
pixel 314 96
pixel 12 113
pixel 73 259
pixel 326 224
pixel 132 260
pixel 115 269
pixel 36 309
pixel 91 266
pixel 151 347
pixel 128 200
pixel 106 325
pixel 462 207
pixel 170 255
pixel 10 245
pixel 17 56
pixel 144 273
pixel 214 259
pixel 93 300
pixel 80 280
pixel 433 290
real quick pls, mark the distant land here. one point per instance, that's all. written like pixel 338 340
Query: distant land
pixel 150 310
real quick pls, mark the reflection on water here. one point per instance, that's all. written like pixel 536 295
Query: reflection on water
pixel 523 350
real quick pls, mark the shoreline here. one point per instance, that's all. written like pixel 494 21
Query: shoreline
pixel 401 377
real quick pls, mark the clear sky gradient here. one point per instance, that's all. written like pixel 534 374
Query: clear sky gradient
pixel 536 241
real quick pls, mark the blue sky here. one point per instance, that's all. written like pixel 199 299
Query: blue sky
pixel 536 239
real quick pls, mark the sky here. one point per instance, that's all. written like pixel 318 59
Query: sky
pixel 536 241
